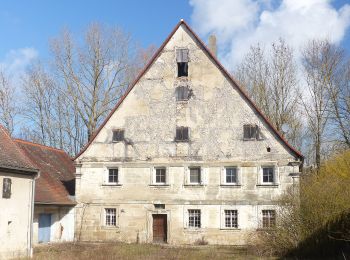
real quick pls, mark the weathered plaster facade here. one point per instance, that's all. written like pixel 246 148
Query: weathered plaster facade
pixel 62 222
pixel 16 216
pixel 215 115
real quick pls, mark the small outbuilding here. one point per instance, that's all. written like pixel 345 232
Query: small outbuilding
pixel 17 180
pixel 54 193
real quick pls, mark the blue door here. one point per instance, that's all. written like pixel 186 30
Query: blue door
pixel 44 227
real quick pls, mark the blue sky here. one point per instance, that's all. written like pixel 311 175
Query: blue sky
pixel 32 23
pixel 27 26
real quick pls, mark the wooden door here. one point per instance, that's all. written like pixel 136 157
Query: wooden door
pixel 159 228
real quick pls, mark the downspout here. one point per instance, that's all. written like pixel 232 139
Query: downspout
pixel 30 246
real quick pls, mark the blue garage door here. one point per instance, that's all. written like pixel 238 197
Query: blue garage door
pixel 44 227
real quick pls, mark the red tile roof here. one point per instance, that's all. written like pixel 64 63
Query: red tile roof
pixel 12 157
pixel 56 184
pixel 220 67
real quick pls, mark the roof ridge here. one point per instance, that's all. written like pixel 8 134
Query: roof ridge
pixel 37 144
pixel 220 67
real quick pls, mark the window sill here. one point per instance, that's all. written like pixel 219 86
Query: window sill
pixel 110 227
pixel 267 185
pixel 159 185
pixel 112 185
pixel 185 101
pixel 182 141
pixel 194 185
pixel 230 185
pixel 194 230
pixel 230 229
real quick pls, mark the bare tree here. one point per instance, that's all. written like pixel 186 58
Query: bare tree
pixel 339 93
pixel 8 109
pixel 271 81
pixel 40 98
pixel 92 74
pixel 253 74
pixel 319 64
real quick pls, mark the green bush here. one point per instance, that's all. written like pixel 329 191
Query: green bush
pixel 315 219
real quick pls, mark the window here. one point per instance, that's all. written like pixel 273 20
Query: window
pixel 6 188
pixel 250 132
pixel 111 217
pixel 161 175
pixel 195 175
pixel 159 206
pixel 231 219
pixel 118 135
pixel 268 175
pixel 231 175
pixel 182 62
pixel 182 93
pixel 269 218
pixel 182 134
pixel 112 175
pixel 194 218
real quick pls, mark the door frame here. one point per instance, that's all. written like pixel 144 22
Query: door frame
pixel 150 224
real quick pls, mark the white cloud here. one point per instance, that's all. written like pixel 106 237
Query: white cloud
pixel 16 61
pixel 239 24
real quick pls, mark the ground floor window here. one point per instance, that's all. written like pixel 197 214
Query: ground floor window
pixel 268 218
pixel 111 217
pixel 194 218
pixel 231 219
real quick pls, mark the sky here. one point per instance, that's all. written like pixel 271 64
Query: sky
pixel 26 26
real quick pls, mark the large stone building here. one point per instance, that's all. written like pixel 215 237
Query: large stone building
pixel 54 193
pixel 185 155
pixel 17 180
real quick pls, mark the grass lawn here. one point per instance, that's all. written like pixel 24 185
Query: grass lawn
pixel 74 251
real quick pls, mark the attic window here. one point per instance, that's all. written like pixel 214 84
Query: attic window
pixel 182 93
pixel 250 132
pixel 118 135
pixel 182 62
pixel 6 188
pixel 182 134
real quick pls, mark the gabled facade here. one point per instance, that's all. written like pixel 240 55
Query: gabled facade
pixel 184 156
pixel 17 180
pixel 54 201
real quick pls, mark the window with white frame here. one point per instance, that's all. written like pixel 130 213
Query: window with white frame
pixel 231 175
pixel 160 177
pixel 194 218
pixel 110 217
pixel 195 175
pixel 268 175
pixel 231 218
pixel 113 177
pixel 268 218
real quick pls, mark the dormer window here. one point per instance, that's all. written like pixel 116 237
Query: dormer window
pixel 251 132
pixel 182 93
pixel 182 62
pixel 118 135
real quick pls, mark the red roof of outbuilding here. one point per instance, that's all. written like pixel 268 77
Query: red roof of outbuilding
pixel 12 157
pixel 220 67
pixel 56 184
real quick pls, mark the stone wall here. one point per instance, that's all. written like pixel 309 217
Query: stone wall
pixel 215 114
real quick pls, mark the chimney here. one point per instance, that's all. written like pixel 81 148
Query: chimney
pixel 212 44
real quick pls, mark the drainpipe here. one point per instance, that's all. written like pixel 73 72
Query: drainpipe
pixel 30 246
